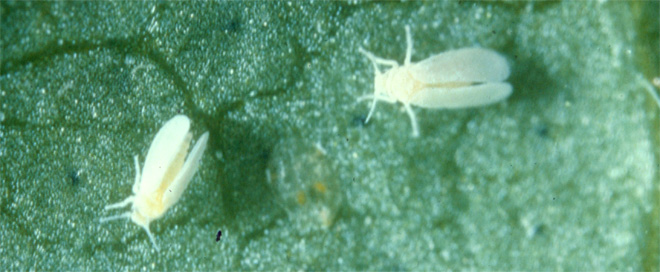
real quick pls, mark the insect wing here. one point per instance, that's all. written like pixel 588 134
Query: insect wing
pixel 462 97
pixel 164 150
pixel 176 188
pixel 462 65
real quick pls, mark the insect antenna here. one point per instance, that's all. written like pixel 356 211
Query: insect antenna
pixel 115 217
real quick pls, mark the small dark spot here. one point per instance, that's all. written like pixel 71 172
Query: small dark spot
pixel 494 32
pixel 539 229
pixel 542 130
pixel 515 56
pixel 74 176
pixel 232 26
pixel 264 154
pixel 359 121
pixel 217 237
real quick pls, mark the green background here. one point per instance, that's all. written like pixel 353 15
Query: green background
pixel 563 175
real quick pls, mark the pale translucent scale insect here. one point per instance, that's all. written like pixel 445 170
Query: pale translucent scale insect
pixel 461 78
pixel 166 174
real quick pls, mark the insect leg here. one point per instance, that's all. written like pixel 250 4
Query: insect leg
pixel 650 89
pixel 151 236
pixel 379 97
pixel 409 47
pixel 136 184
pixel 122 204
pixel 376 60
pixel 413 119
pixel 371 111
pixel 115 217
pixel 373 103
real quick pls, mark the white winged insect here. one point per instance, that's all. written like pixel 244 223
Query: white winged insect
pixel 461 78
pixel 165 174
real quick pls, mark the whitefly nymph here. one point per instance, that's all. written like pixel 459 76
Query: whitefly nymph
pixel 461 78
pixel 166 174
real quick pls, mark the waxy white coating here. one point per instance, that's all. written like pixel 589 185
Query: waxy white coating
pixel 461 78
pixel 166 174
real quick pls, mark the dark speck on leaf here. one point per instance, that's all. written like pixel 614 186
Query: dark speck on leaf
pixel 217 237
pixel 542 130
pixel 74 176
pixel 359 121
pixel 264 154
pixel 539 229
pixel 232 26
